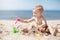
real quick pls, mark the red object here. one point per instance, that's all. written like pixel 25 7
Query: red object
pixel 18 19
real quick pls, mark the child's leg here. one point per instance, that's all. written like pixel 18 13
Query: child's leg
pixel 43 28
pixel 25 30
pixel 53 31
pixel 33 29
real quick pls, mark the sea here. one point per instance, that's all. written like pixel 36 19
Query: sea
pixel 27 14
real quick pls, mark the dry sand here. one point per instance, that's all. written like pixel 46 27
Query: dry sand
pixel 7 34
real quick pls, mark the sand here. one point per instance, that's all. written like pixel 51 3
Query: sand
pixel 7 34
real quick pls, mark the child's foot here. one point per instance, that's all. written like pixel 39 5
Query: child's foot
pixel 55 32
pixel 25 30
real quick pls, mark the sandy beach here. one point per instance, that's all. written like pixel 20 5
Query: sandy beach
pixel 7 34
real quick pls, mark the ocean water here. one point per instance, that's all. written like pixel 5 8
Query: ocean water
pixel 26 14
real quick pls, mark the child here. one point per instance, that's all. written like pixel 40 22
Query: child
pixel 40 21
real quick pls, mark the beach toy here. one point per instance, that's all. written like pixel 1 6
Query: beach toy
pixel 38 35
pixel 14 29
pixel 18 26
pixel 18 19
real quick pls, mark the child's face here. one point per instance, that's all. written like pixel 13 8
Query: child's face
pixel 37 13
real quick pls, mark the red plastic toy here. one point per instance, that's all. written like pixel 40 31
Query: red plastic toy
pixel 17 20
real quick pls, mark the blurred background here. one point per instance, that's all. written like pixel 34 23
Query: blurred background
pixel 11 9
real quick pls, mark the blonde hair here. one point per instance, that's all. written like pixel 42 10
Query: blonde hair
pixel 40 7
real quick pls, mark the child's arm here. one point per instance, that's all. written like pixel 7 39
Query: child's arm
pixel 27 21
pixel 44 23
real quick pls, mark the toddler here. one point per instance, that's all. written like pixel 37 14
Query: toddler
pixel 40 22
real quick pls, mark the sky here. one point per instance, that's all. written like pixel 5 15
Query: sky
pixel 29 4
